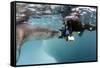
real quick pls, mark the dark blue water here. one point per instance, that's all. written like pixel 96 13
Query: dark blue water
pixel 56 50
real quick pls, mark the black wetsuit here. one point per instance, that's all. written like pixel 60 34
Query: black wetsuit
pixel 63 32
pixel 73 24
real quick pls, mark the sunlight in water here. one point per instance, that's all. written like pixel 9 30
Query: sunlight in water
pixel 58 50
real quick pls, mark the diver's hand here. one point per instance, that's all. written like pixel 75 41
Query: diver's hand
pixel 71 38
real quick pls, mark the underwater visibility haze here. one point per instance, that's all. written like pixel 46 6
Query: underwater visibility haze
pixel 57 50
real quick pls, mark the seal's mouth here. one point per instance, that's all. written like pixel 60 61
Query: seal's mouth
pixel 55 33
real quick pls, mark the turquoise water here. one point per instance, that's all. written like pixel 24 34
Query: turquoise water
pixel 57 50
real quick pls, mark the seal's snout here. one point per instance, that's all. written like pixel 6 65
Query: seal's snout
pixel 54 33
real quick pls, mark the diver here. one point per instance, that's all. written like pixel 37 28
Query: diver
pixel 72 24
